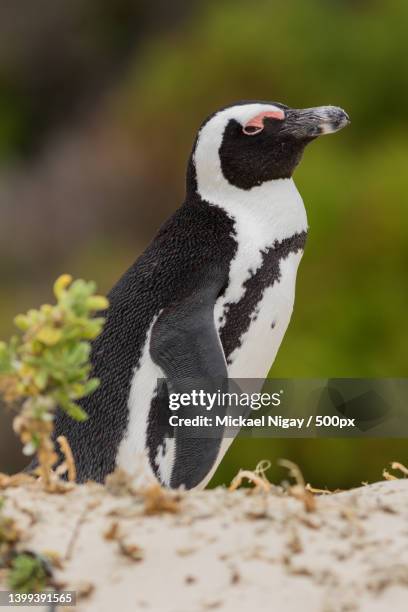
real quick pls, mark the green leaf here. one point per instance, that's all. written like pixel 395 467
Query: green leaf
pixel 74 411
pixel 49 336
pixel 22 322
pixel 41 379
pixel 27 574
pixel 5 359
pixel 61 285
pixel 97 302
pixel 91 386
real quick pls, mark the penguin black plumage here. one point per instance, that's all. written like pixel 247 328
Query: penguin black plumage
pixel 210 298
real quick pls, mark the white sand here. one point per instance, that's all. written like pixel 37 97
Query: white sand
pixel 225 551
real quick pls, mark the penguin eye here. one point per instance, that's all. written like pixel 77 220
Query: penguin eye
pixel 256 124
pixel 251 130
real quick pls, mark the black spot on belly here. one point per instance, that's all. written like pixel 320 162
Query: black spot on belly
pixel 239 315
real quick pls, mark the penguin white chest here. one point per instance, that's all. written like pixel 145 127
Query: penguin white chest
pixel 253 313
pixel 259 340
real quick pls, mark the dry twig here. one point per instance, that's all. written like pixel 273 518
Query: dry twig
pixel 299 490
pixel 69 464
pixel 257 477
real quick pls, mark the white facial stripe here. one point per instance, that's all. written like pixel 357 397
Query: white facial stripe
pixel 268 212
pixel 206 156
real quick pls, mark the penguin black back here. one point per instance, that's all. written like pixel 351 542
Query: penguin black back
pixel 196 238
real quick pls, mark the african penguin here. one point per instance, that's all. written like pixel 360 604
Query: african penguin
pixel 210 298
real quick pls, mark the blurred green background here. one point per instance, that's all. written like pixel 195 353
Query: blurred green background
pixel 99 104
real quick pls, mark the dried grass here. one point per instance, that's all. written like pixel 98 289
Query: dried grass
pixel 299 490
pixel 69 464
pixel 158 500
pixel 114 533
pixel 16 480
pixel 257 477
pixel 399 467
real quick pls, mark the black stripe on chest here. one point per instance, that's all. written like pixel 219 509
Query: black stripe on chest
pixel 240 314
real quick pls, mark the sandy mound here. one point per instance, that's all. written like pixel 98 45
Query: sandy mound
pixel 220 550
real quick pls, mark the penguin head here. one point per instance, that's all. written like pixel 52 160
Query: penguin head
pixel 250 143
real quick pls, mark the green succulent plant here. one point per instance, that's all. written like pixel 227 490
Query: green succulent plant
pixel 27 573
pixel 47 364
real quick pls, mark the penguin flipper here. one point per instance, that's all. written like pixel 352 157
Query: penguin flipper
pixel 186 346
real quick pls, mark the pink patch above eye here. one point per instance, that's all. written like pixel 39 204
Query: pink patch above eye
pixel 256 124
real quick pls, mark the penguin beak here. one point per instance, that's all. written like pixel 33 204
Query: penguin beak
pixel 313 122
